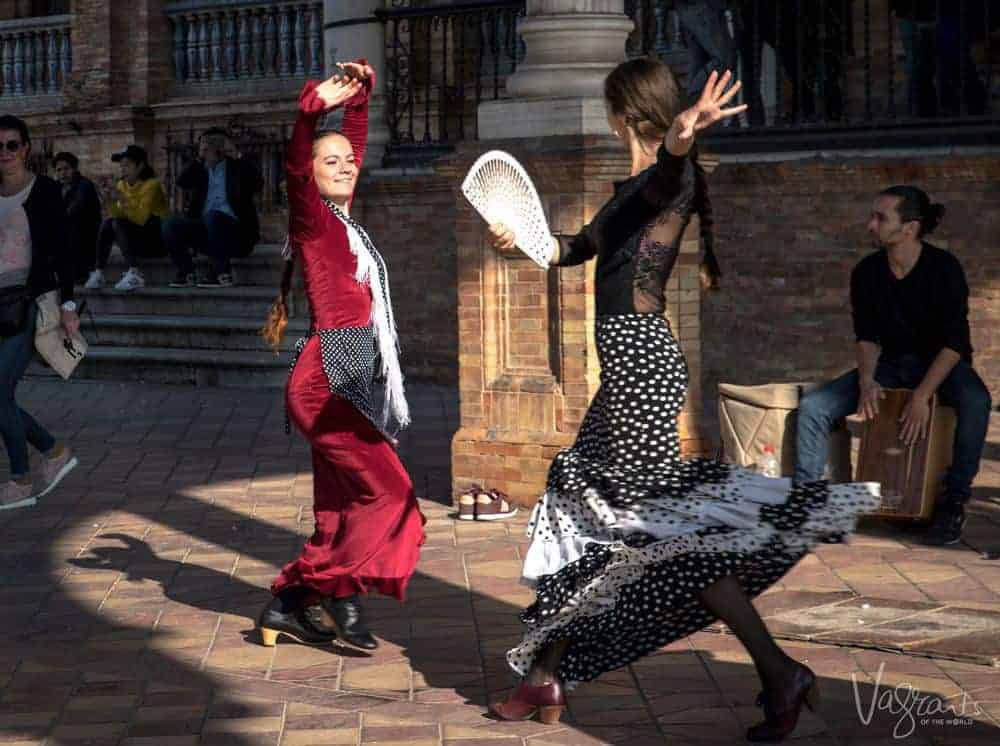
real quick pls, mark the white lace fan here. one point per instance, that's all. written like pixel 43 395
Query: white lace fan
pixel 501 191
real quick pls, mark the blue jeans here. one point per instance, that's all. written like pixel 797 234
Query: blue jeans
pixel 215 234
pixel 17 427
pixel 963 390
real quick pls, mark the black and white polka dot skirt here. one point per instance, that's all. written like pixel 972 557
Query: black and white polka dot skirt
pixel 627 534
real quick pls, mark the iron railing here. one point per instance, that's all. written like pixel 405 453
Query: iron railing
pixel 837 73
pixel 442 62
pixel 816 73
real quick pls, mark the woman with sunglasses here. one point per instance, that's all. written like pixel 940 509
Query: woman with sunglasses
pixel 33 261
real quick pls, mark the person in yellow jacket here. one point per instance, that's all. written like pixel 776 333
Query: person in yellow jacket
pixel 138 203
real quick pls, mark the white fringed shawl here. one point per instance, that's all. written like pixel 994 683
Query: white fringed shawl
pixel 371 269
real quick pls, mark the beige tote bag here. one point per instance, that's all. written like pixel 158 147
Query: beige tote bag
pixel 754 417
pixel 63 353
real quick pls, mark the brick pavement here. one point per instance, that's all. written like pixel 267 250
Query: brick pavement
pixel 128 600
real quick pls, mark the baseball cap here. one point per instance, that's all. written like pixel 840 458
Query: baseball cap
pixel 133 153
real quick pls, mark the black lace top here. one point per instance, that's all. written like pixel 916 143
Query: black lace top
pixel 636 236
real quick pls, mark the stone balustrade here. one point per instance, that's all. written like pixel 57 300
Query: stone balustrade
pixel 36 55
pixel 244 40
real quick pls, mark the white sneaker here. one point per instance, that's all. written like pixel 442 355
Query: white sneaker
pixel 131 280
pixel 95 281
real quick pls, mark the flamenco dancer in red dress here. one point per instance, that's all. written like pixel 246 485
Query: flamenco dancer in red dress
pixel 368 525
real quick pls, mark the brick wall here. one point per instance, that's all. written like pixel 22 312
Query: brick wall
pixel 152 71
pixel 789 235
pixel 92 135
pixel 527 362
pixel 411 217
pixel 90 84
pixel 10 9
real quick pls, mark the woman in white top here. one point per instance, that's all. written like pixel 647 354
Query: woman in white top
pixel 33 261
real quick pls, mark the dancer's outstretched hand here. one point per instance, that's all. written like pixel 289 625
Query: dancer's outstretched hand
pixel 344 85
pixel 709 109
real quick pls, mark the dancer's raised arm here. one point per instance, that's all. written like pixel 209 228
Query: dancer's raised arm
pixel 355 124
pixel 672 175
pixel 349 88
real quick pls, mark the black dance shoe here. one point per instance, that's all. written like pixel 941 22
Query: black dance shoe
pixel 781 709
pixel 949 520
pixel 278 619
pixel 349 623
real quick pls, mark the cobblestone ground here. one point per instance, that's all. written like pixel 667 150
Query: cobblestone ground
pixel 128 600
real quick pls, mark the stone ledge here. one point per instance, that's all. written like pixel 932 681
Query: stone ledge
pixel 532 118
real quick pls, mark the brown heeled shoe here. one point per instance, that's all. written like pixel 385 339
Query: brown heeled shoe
pixel 547 700
pixel 781 709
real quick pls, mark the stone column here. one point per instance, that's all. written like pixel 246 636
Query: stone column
pixel 527 361
pixel 557 90
pixel 352 31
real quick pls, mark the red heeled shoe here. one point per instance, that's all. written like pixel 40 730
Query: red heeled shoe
pixel 547 700
pixel 781 709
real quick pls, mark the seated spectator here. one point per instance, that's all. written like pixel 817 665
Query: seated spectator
pixel 138 202
pixel 220 218
pixel 83 213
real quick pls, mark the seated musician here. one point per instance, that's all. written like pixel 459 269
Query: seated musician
pixel 910 304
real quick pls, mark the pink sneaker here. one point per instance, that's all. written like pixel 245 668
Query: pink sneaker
pixel 16 495
pixel 55 469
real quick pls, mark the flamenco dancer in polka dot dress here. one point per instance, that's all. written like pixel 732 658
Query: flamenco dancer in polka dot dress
pixel 368 525
pixel 631 547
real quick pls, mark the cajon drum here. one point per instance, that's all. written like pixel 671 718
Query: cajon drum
pixel 911 476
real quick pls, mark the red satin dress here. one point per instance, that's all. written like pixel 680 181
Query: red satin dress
pixel 368 524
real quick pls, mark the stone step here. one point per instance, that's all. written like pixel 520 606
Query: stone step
pixel 262 268
pixel 242 301
pixel 224 368
pixel 184 332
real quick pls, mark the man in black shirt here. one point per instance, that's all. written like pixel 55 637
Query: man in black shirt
pixel 220 217
pixel 910 304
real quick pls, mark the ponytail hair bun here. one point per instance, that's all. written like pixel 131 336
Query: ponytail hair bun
pixel 935 213
pixel 915 206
